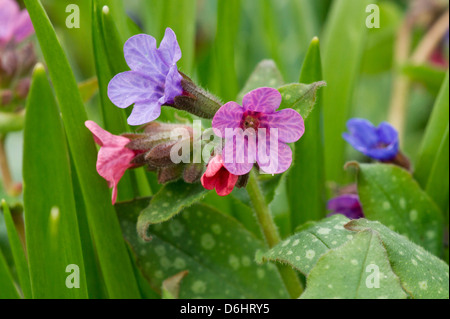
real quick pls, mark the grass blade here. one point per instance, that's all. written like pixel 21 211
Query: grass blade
pixel 51 226
pixel 8 290
pixel 306 180
pixel 18 253
pixel 113 257
pixel 437 125
pixel 343 47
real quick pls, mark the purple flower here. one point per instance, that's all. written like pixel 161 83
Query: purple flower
pixel 380 142
pixel 15 25
pixel 347 205
pixel 258 132
pixel 153 80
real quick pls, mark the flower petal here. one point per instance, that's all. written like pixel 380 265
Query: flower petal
pixel 144 112
pixel 273 157
pixel 387 134
pixel 225 182
pixel 265 100
pixel 289 123
pixel 172 86
pixel 8 14
pixel 169 48
pixel 239 163
pixel 142 56
pixel 104 138
pixel 131 87
pixel 214 166
pixel 23 27
pixel 228 116
pixel 363 134
pixel 208 182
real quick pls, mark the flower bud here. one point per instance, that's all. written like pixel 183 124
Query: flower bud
pixel 196 100
pixel 169 174
pixel 193 172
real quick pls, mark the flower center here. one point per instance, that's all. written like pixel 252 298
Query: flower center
pixel 250 120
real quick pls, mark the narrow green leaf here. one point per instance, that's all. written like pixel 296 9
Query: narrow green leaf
pixel 114 118
pixel 421 274
pixel 300 97
pixel 50 214
pixel 88 89
pixel 302 250
pixel 168 202
pixel 343 273
pixel 265 74
pixel 342 53
pixel 180 16
pixel 390 195
pixel 430 77
pixel 8 289
pixel 438 181
pixel 430 157
pixel 18 253
pixel 225 78
pixel 11 122
pixel 215 249
pixel 111 249
pixel 306 177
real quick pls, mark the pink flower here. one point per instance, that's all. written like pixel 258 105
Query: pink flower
pixel 217 176
pixel 14 23
pixel 256 132
pixel 113 158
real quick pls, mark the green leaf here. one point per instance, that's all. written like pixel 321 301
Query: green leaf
pixel 11 122
pixel 18 253
pixel 108 48
pixel 215 249
pixel 379 46
pixel 302 250
pixel 88 88
pixel 113 257
pixel 300 97
pixel 421 274
pixel 266 74
pixel 348 272
pixel 438 182
pixel 342 49
pixel 168 202
pixel 53 239
pixel 431 166
pixel 306 177
pixel 8 290
pixel 223 60
pixel 429 76
pixel 390 195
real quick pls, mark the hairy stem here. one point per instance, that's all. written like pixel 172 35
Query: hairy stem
pixel 271 235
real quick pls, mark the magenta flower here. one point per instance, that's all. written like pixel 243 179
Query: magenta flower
pixel 15 25
pixel 256 132
pixel 218 177
pixel 154 79
pixel 347 205
pixel 380 142
pixel 113 158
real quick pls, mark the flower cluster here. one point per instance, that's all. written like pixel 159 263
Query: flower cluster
pixel 255 133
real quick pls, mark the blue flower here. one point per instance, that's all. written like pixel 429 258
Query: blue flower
pixel 380 143
pixel 154 79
